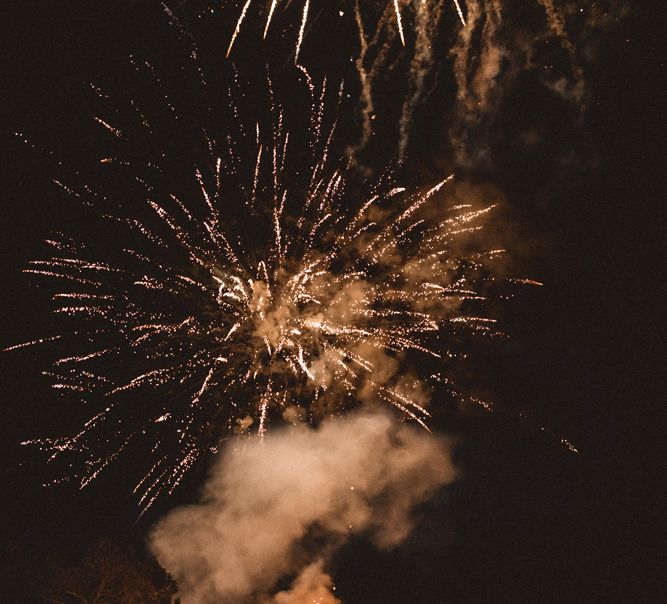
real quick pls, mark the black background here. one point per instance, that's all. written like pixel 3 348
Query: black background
pixel 528 521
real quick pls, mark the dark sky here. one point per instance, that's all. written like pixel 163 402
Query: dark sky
pixel 528 522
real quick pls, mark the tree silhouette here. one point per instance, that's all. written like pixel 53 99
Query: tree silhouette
pixel 108 574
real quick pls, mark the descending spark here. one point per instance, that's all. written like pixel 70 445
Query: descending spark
pixel 460 12
pixel 302 28
pixel 244 10
pixel 31 343
pixel 399 21
pixel 270 16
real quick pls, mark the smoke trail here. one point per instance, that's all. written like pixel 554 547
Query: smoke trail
pixel 281 507
pixel 477 73
pixel 498 46
pixel 428 15
pixel 368 66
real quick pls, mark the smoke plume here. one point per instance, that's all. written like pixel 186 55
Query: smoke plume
pixel 276 509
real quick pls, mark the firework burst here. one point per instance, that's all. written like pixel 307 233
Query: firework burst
pixel 263 285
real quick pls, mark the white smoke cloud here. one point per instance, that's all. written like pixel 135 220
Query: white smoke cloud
pixel 279 508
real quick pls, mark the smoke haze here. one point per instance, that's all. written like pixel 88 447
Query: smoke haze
pixel 278 508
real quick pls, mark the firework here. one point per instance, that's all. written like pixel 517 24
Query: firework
pixel 262 286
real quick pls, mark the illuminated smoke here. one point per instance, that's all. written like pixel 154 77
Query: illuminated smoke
pixel 280 508
pixel 312 585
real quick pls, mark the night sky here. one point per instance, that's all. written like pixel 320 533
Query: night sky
pixel 528 521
